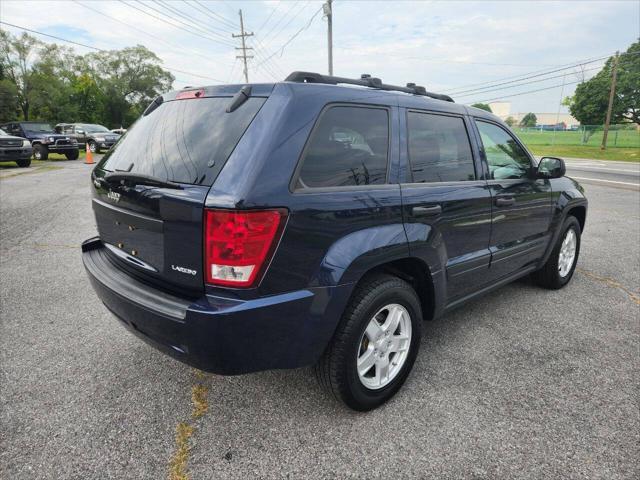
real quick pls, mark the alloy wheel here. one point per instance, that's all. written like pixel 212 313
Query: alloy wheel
pixel 384 346
pixel 567 253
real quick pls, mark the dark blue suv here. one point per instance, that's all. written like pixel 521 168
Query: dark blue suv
pixel 318 221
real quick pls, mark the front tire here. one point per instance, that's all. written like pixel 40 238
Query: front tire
pixel 93 146
pixel 40 152
pixel 375 345
pixel 24 162
pixel 72 155
pixel 558 270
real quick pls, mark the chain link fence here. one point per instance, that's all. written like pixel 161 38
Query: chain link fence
pixel 623 136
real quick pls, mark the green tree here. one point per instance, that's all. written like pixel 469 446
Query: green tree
pixel 14 57
pixel 511 121
pixel 51 83
pixel 591 99
pixel 529 120
pixel 129 80
pixel 482 106
pixel 52 77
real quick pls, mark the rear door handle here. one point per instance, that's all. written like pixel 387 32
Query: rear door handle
pixel 505 201
pixel 426 211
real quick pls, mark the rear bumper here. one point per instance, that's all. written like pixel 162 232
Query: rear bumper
pixel 216 334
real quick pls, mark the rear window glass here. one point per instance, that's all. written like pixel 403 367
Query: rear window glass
pixel 349 146
pixel 439 149
pixel 186 141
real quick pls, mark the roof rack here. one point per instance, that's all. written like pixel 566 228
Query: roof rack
pixel 365 80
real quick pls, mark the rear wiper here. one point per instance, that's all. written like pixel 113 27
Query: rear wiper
pixel 239 98
pixel 139 179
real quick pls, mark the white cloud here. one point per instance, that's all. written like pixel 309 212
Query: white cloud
pixel 439 44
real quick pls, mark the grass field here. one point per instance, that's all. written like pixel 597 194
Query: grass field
pixel 570 151
pixel 618 138
pixel 623 143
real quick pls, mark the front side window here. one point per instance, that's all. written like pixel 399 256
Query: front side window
pixel 349 146
pixel 439 148
pixel 506 158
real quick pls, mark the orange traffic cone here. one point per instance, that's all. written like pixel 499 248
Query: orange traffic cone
pixel 88 159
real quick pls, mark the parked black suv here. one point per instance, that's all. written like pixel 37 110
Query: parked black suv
pixel 44 139
pixel 97 137
pixel 15 149
pixel 311 222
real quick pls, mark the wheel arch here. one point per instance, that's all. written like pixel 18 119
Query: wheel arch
pixel 580 212
pixel 415 272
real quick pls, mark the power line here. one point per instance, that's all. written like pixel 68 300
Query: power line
pixel 524 93
pixel 229 23
pixel 269 17
pixel 207 29
pixel 519 77
pixel 172 12
pixel 261 54
pixel 173 24
pixel 102 50
pixel 285 15
pixel 281 49
pixel 486 90
pixel 283 28
pixel 531 76
pixel 182 51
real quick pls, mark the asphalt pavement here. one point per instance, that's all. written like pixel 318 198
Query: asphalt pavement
pixel 607 173
pixel 523 383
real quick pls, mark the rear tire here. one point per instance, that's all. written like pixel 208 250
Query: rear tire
pixel 24 162
pixel 72 155
pixel 343 368
pixel 558 270
pixel 40 152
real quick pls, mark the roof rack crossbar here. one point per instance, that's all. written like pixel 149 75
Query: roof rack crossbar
pixel 365 81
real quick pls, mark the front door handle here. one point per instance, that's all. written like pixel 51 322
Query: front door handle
pixel 505 201
pixel 426 211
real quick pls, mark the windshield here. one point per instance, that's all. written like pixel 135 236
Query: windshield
pixel 38 127
pixel 95 128
pixel 185 141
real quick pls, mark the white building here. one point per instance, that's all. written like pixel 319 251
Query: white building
pixel 503 110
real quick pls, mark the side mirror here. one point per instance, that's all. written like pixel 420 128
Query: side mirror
pixel 551 167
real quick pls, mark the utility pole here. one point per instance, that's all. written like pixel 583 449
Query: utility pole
pixel 244 48
pixel 329 14
pixel 612 93
pixel 553 138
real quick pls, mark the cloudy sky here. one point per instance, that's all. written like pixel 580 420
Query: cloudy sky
pixel 455 47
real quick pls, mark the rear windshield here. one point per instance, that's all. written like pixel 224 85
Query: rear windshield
pixel 185 141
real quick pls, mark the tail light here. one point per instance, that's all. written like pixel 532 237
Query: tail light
pixel 238 245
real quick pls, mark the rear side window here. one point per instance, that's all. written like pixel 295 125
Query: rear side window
pixel 439 148
pixel 349 146
pixel 186 141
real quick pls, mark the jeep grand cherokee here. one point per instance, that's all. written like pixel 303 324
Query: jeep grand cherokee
pixel 319 221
